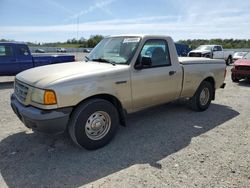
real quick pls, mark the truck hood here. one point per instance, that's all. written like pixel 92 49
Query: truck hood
pixel 200 51
pixel 242 62
pixel 41 77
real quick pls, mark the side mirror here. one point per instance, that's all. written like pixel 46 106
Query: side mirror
pixel 138 66
pixel 143 62
pixel 146 61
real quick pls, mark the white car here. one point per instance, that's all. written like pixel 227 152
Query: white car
pixel 238 55
pixel 212 51
pixel 61 50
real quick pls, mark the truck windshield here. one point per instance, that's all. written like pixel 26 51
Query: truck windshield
pixel 115 50
pixel 203 47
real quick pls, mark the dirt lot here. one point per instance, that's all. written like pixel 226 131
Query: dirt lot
pixel 166 146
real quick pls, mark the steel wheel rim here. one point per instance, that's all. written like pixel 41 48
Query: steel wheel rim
pixel 98 125
pixel 204 96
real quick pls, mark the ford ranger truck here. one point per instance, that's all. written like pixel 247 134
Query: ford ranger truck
pixel 121 75
pixel 214 52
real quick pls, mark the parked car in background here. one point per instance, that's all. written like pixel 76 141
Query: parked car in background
pixel 62 50
pixel 123 74
pixel 86 50
pixel 238 55
pixel 39 50
pixel 241 69
pixel 182 49
pixel 16 57
pixel 214 52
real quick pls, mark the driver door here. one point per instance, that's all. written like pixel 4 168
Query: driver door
pixel 158 81
pixel 217 52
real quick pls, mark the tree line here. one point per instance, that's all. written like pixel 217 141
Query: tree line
pixel 226 43
pixel 74 43
pixel 95 39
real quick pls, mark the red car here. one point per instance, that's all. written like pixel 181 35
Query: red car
pixel 241 68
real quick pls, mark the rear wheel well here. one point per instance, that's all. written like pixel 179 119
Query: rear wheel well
pixel 112 99
pixel 212 82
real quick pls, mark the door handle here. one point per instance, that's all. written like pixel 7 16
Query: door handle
pixel 121 82
pixel 171 73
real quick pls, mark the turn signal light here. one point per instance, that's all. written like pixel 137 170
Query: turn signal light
pixel 49 97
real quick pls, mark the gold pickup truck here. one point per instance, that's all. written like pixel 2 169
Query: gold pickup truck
pixel 122 74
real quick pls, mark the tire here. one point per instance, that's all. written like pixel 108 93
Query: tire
pixel 202 97
pixel 93 124
pixel 229 60
pixel 234 78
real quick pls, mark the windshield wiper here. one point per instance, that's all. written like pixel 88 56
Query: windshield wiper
pixel 104 61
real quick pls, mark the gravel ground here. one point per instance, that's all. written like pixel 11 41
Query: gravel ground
pixel 165 146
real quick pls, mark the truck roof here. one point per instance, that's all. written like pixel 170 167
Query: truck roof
pixel 137 35
pixel 14 42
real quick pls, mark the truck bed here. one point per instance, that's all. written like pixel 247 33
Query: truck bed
pixel 194 72
pixel 46 59
pixel 201 60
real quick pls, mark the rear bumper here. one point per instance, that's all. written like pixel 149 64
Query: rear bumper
pixel 48 121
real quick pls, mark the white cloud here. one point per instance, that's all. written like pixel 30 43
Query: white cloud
pixel 59 6
pixel 98 5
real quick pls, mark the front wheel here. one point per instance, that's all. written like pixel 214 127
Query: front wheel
pixel 202 97
pixel 93 124
pixel 234 78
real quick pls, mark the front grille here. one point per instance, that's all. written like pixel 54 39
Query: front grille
pixel 193 54
pixel 21 91
pixel 247 68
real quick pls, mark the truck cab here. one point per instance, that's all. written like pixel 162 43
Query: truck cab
pixel 14 57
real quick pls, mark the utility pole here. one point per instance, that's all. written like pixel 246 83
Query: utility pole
pixel 77 25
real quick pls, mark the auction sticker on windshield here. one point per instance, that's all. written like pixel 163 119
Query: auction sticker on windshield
pixel 128 40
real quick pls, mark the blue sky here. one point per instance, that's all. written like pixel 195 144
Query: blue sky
pixel 56 20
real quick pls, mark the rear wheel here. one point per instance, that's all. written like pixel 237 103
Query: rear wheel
pixel 93 124
pixel 202 97
pixel 229 60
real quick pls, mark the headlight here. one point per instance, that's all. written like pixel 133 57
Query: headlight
pixel 46 97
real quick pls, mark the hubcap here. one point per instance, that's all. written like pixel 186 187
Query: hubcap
pixel 98 125
pixel 204 96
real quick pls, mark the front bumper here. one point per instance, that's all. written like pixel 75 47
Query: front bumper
pixel 240 73
pixel 48 121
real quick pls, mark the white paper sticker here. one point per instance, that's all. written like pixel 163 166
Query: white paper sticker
pixel 128 40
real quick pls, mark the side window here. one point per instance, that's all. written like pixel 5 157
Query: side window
pixel 155 53
pixel 5 51
pixel 22 50
pixel 215 48
pixel 219 48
